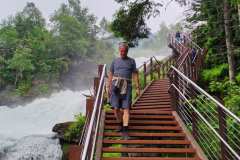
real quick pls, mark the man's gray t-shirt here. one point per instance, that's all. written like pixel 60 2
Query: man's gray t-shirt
pixel 123 67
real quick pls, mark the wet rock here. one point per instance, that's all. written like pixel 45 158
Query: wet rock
pixel 60 129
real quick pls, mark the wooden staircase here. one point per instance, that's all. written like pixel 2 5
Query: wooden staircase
pixel 154 133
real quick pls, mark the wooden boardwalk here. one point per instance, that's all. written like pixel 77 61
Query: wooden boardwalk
pixel 154 132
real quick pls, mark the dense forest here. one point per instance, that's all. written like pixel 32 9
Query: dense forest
pixel 218 30
pixel 35 53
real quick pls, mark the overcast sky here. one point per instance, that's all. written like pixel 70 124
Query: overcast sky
pixel 100 8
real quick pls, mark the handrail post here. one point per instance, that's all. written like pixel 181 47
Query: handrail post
pixel 174 93
pixel 100 70
pixel 222 132
pixel 144 74
pixel 96 85
pixel 151 68
pixel 195 125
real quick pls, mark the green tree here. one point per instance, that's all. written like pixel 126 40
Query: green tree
pixel 21 63
pixel 29 18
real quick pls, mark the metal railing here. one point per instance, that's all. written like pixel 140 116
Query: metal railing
pixel 190 56
pixel 153 69
pixel 89 137
pixel 216 128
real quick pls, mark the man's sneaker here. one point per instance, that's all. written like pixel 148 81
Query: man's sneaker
pixel 121 127
pixel 125 132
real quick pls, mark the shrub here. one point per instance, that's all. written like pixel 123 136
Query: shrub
pixel 216 73
pixel 43 88
pixel 23 88
pixel 75 129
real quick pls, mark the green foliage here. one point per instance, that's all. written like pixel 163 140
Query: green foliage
pixel 43 88
pixel 75 129
pixel 30 51
pixel 229 92
pixel 23 88
pixel 130 20
pixel 238 78
pixel 216 73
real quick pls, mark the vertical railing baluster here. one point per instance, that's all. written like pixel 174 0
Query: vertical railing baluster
pixel 174 91
pixel 144 74
pixel 195 125
pixel 151 68
pixel 222 132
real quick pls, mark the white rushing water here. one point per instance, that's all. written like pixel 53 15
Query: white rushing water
pixel 26 131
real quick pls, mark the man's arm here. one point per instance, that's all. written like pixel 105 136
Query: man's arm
pixel 110 77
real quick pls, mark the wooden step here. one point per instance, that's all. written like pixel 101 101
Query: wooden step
pixel 147 111
pixel 160 109
pixel 146 103
pixel 147 158
pixel 155 96
pixel 153 100
pixel 144 122
pixel 151 107
pixel 142 134
pixel 148 150
pixel 154 128
pixel 170 142
pixel 143 117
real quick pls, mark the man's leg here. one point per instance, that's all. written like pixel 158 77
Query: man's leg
pixel 118 115
pixel 125 117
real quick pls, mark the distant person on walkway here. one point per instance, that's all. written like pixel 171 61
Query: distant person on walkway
pixel 122 70
pixel 178 36
pixel 194 54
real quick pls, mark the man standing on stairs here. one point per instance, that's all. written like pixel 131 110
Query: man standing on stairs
pixel 122 70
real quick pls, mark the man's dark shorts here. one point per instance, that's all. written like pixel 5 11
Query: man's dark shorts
pixel 121 101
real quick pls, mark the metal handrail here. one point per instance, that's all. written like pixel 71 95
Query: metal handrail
pixel 188 91
pixel 205 93
pixel 96 113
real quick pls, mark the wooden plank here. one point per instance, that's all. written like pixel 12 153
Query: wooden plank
pixel 142 134
pixel 146 103
pixel 144 122
pixel 157 128
pixel 170 142
pixel 156 112
pixel 151 107
pixel 143 117
pixel 148 150
pixel 147 158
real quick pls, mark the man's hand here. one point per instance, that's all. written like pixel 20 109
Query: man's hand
pixel 110 76
pixel 138 91
pixel 136 81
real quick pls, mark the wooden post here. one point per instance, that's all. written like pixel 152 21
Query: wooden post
pixel 100 70
pixel 89 106
pixel 151 68
pixel 195 125
pixel 158 71
pixel 96 84
pixel 144 74
pixel 222 132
